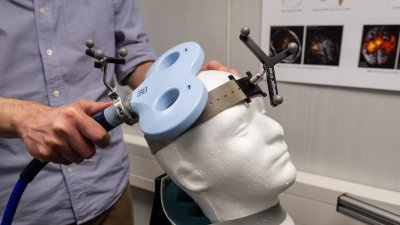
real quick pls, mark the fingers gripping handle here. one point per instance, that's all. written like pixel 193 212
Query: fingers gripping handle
pixel 107 119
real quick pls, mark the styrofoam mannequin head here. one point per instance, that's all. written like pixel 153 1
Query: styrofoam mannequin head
pixel 233 165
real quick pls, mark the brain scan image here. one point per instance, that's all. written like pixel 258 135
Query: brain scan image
pixel 378 47
pixel 280 39
pixel 323 45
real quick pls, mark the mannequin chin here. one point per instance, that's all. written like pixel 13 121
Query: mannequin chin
pixel 233 165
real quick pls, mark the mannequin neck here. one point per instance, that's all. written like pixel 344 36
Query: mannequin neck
pixel 274 215
pixel 227 208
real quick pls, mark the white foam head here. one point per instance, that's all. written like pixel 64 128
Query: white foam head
pixel 233 165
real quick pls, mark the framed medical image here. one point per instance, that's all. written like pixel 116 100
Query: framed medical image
pixel 341 42
pixel 280 38
pixel 322 45
pixel 379 46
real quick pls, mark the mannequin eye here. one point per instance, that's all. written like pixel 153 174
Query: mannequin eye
pixel 242 130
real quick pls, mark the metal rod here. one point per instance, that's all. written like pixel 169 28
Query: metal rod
pixel 365 212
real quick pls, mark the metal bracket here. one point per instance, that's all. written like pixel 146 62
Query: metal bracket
pixel 268 64
pixel 121 105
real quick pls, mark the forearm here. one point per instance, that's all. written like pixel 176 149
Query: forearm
pixel 138 75
pixel 62 134
pixel 13 112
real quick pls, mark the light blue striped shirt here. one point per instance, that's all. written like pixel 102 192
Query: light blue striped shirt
pixel 42 58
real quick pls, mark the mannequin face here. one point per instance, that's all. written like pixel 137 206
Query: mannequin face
pixel 248 152
pixel 238 155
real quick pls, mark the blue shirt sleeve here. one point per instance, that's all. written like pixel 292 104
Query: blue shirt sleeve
pixel 131 35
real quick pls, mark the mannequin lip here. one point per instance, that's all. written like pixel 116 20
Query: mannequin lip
pixel 283 155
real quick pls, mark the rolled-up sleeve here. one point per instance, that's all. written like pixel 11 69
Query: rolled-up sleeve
pixel 130 34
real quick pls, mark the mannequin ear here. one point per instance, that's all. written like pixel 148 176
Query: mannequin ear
pixel 192 180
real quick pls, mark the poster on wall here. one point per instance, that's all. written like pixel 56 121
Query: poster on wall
pixel 341 42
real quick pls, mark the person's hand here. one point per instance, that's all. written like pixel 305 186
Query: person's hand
pixel 65 134
pixel 216 65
